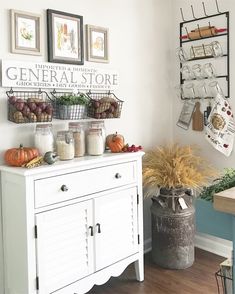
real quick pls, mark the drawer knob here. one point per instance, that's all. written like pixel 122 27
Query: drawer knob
pixel 64 188
pixel 118 176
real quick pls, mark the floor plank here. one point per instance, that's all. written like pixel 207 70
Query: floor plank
pixel 198 279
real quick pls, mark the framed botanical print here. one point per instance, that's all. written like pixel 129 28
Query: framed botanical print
pixel 97 44
pixel 65 37
pixel 26 33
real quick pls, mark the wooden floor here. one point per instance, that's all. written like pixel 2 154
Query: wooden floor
pixel 198 279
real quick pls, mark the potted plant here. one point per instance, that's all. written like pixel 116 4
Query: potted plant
pixel 71 106
pixel 174 170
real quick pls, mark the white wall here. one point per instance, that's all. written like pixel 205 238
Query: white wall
pixel 140 49
pixel 189 136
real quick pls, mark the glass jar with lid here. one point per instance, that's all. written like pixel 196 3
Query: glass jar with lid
pixel 95 143
pixel 65 145
pixel 99 125
pixel 43 138
pixel 79 138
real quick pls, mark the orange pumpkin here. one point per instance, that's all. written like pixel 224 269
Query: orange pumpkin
pixel 20 156
pixel 115 142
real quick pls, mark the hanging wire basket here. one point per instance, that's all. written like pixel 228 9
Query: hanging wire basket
pixel 68 105
pixel 29 106
pixel 104 105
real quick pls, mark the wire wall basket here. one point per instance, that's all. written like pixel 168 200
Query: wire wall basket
pixel 29 106
pixel 68 105
pixel 104 105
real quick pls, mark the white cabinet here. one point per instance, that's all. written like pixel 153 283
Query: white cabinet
pixel 69 226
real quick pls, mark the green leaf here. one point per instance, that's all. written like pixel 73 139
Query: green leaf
pixel 225 182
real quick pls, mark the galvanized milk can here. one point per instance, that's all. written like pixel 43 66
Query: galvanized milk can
pixel 173 228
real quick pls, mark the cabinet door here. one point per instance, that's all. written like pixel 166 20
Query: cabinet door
pixel 64 246
pixel 116 235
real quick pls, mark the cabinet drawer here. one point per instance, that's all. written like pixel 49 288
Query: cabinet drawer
pixel 68 186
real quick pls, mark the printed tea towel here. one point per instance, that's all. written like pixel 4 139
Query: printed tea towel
pixel 220 129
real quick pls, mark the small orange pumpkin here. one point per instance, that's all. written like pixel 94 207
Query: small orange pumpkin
pixel 20 156
pixel 115 142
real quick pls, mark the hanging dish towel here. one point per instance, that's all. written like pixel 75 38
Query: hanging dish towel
pixel 220 129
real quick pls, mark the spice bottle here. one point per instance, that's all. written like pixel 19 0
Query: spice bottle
pixel 65 145
pixel 79 138
pixel 95 143
pixel 43 138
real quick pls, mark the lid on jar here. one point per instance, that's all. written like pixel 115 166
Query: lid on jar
pixel 75 125
pixel 95 131
pixel 43 126
pixel 97 124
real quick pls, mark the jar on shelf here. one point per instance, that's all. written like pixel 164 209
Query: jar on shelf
pixel 43 138
pixel 79 138
pixel 95 142
pixel 99 125
pixel 65 145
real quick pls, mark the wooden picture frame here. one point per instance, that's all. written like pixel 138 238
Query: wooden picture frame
pixel 26 32
pixel 65 37
pixel 97 44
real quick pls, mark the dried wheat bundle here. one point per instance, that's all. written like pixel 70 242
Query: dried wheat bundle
pixel 175 166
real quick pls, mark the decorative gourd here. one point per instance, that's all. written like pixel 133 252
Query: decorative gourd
pixel 115 142
pixel 50 157
pixel 20 156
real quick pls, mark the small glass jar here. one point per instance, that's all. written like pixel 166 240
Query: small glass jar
pixel 65 145
pixel 43 138
pixel 95 142
pixel 79 138
pixel 99 125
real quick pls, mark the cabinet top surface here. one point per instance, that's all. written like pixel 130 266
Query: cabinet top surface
pixel 86 161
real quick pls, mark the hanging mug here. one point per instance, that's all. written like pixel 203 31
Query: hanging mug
pixel 216 49
pixel 187 73
pixel 197 71
pixel 215 89
pixel 202 90
pixel 182 56
pixel 189 90
pixel 209 71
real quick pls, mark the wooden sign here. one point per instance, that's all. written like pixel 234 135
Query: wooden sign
pixel 57 76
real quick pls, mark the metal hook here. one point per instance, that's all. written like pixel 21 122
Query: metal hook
pixel 204 8
pixel 182 15
pixel 186 29
pixel 210 27
pixel 193 12
pixel 199 31
pixel 217 6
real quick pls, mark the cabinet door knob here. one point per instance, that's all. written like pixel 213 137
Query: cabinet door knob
pixel 98 226
pixel 91 229
pixel 64 188
pixel 118 176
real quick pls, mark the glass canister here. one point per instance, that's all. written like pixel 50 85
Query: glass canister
pixel 65 145
pixel 43 138
pixel 79 138
pixel 95 142
pixel 99 125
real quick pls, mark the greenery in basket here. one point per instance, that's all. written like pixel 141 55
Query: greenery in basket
pixel 224 182
pixel 174 166
pixel 80 99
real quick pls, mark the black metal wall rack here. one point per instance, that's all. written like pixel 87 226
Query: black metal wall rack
pixel 197 20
